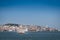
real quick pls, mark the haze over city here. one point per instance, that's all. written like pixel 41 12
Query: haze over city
pixel 38 12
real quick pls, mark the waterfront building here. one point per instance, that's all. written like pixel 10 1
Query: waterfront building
pixel 12 28
pixel 21 29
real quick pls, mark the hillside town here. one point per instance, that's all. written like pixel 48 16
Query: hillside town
pixel 20 28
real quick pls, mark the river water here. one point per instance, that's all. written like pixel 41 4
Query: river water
pixel 30 36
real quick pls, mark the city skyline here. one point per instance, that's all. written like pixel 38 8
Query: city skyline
pixel 39 12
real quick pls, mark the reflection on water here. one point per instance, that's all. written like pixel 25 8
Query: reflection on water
pixel 30 36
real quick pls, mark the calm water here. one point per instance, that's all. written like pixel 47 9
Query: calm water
pixel 30 36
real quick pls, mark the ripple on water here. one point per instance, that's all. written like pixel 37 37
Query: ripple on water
pixel 30 36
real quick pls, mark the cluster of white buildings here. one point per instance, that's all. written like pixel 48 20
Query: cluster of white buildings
pixel 25 28
pixel 19 29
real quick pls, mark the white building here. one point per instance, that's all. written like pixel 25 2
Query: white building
pixel 22 29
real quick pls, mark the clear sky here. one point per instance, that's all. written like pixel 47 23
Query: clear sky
pixel 38 12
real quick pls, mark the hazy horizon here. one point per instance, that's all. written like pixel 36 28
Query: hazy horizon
pixel 38 12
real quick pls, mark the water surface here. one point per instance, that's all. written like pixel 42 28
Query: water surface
pixel 30 36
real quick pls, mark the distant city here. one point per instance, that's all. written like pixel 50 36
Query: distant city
pixel 21 28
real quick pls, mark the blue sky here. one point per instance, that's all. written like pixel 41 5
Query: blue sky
pixel 38 12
